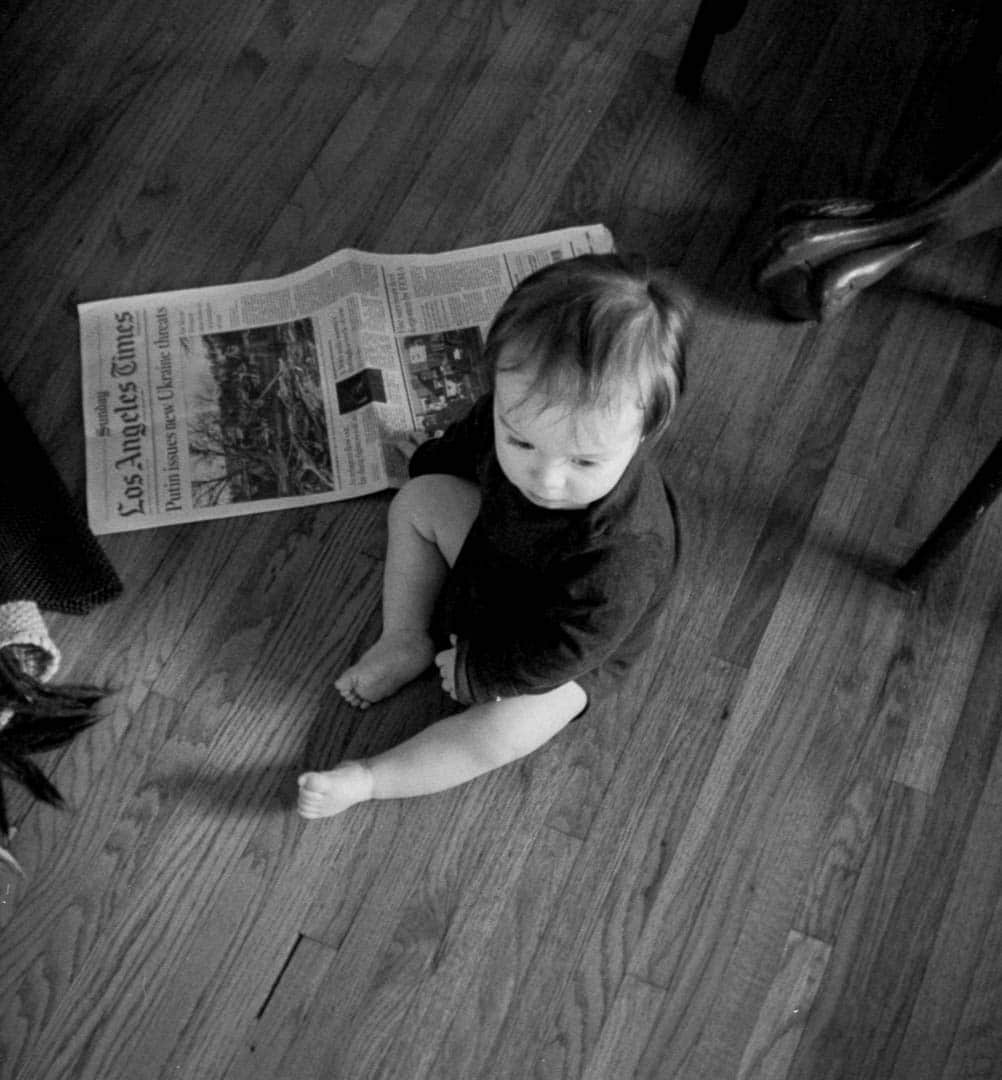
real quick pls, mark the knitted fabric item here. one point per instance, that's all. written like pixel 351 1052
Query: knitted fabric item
pixel 47 551
pixel 23 631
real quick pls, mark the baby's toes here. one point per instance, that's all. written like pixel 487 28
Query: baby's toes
pixel 347 687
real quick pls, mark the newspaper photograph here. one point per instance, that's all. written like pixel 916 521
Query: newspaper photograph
pixel 256 396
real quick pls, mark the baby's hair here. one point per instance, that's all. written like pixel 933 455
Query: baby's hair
pixel 589 326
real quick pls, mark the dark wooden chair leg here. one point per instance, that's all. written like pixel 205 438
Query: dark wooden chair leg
pixel 823 254
pixel 975 499
pixel 713 17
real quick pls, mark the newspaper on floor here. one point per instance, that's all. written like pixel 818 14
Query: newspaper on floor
pixel 237 399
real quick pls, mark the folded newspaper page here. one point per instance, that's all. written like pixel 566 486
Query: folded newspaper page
pixel 237 399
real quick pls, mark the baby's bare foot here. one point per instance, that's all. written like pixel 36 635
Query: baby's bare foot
pixel 324 794
pixel 395 659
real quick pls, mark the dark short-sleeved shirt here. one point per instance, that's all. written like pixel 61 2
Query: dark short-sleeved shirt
pixel 539 597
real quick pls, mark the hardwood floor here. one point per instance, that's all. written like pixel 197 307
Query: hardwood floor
pixel 776 855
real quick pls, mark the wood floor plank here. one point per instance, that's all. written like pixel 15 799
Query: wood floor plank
pixel 957 609
pixel 936 1031
pixel 896 412
pixel 977 1044
pixel 246 963
pixel 856 810
pixel 560 1001
pixel 773 663
pixel 624 1033
pixel 876 975
pixel 462 1006
pixel 818 401
pixel 839 83
pixel 369 49
pixel 407 106
pixel 720 462
pixel 289 80
pixel 140 62
pixel 279 1023
pixel 966 424
pixel 597 181
pixel 452 184
pixel 593 72
pixel 719 919
pixel 832 1028
pixel 770 1049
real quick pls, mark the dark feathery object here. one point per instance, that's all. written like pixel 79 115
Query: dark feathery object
pixel 43 718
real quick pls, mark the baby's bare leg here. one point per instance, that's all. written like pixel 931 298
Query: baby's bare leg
pixel 428 522
pixel 450 752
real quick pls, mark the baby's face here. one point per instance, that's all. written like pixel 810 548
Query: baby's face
pixel 561 459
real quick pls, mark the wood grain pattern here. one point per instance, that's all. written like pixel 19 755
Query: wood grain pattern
pixel 624 1030
pixel 775 853
pixel 586 951
pixel 780 1023
pixel 905 909
pixel 954 1001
